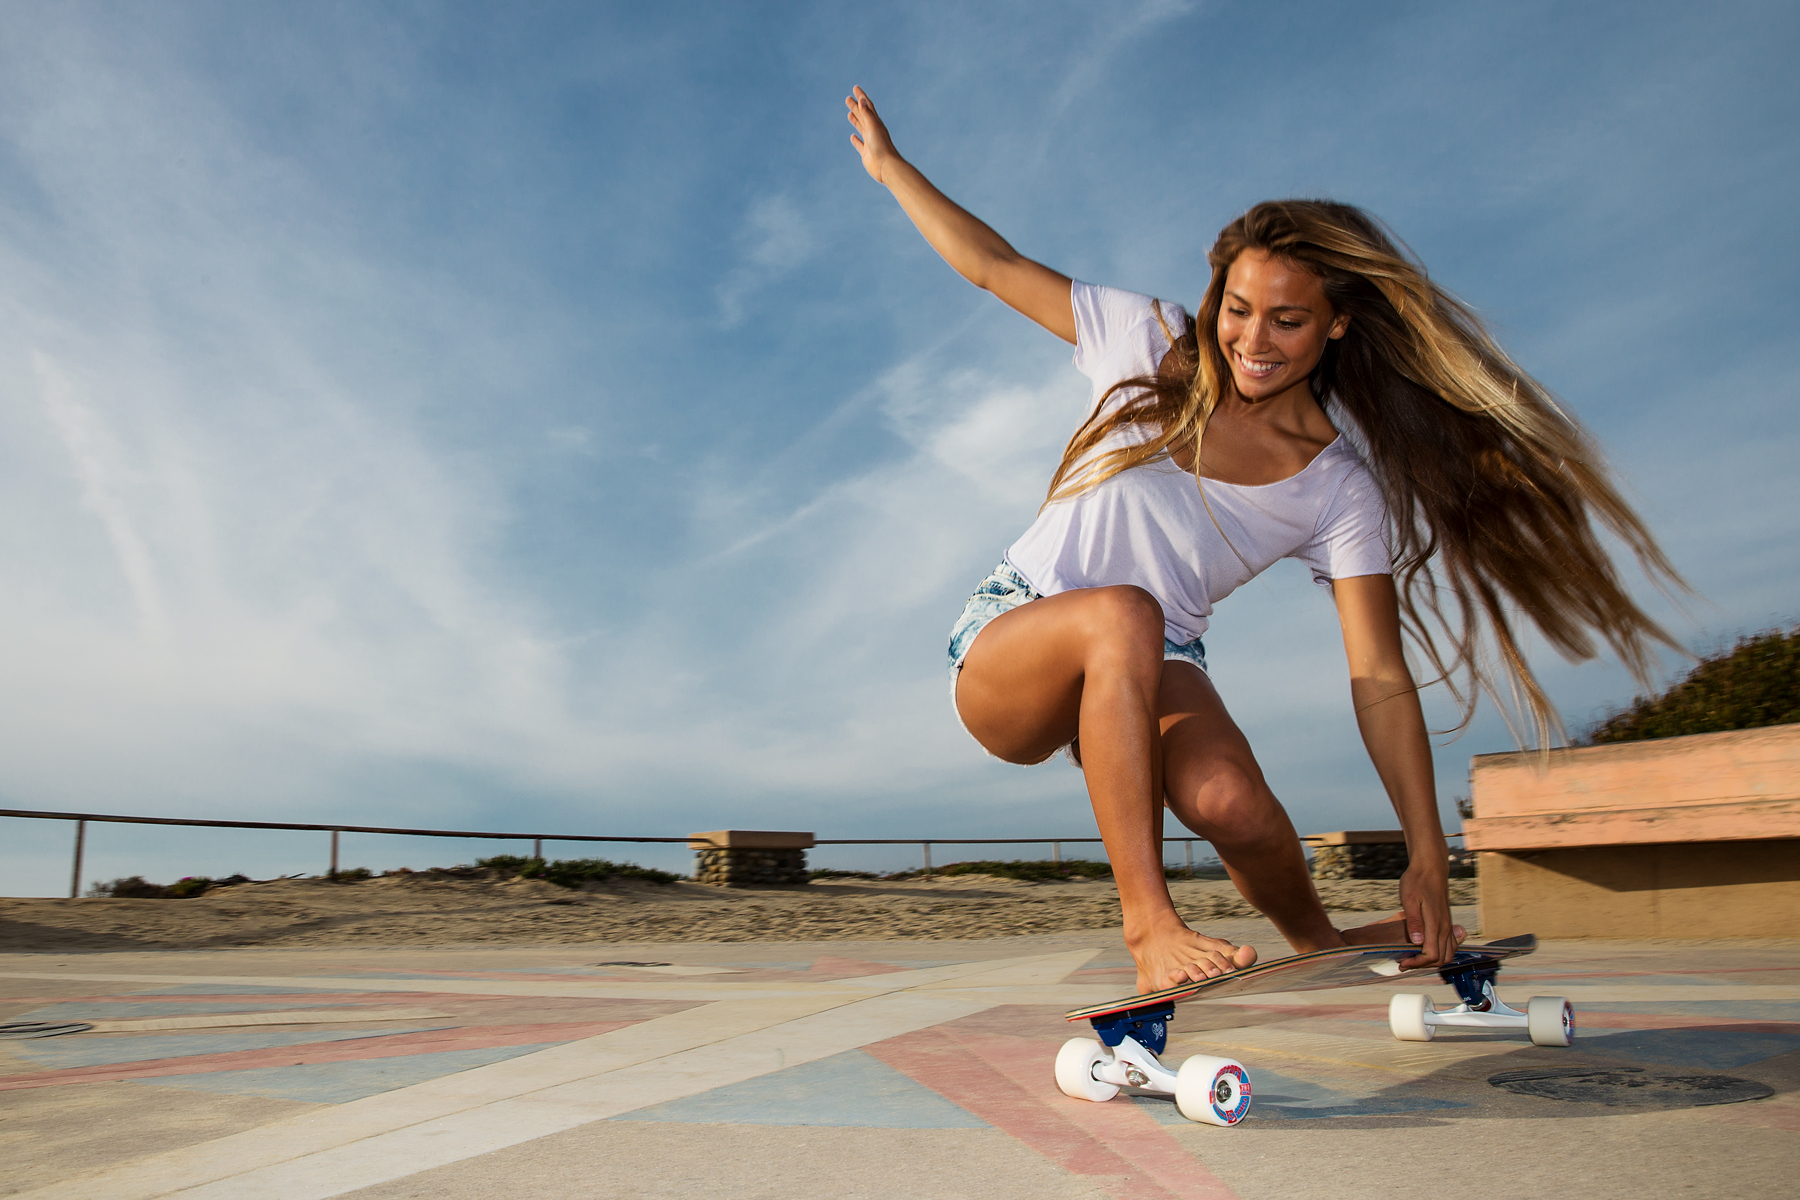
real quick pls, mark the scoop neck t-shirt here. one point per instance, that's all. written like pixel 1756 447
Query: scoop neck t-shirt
pixel 1150 525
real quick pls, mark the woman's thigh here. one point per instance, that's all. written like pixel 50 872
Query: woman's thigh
pixel 1020 687
pixel 1210 775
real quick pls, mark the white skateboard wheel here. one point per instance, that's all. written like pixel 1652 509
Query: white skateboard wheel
pixel 1406 1017
pixel 1212 1090
pixel 1075 1064
pixel 1550 1020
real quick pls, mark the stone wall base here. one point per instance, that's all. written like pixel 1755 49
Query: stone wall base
pixel 1381 860
pixel 735 867
pixel 1660 889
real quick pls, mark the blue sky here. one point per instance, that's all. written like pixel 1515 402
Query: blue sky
pixel 532 417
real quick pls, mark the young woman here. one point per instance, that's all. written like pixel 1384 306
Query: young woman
pixel 1327 402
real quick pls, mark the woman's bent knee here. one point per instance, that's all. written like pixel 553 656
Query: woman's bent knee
pixel 1236 805
pixel 1128 604
pixel 1126 617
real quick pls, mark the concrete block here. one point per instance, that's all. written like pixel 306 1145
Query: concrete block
pixel 750 839
pixel 1712 787
pixel 1358 837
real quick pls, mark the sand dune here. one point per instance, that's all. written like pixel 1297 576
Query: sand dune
pixel 421 911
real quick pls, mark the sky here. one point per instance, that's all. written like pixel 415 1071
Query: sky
pixel 532 417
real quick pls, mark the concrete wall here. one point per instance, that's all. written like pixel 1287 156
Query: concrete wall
pixel 1712 787
pixel 1676 837
pixel 1679 889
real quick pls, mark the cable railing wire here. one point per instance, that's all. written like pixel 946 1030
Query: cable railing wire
pixel 537 839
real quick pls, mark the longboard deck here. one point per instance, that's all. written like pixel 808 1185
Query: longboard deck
pixel 1347 966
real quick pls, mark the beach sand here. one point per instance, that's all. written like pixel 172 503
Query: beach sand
pixel 421 911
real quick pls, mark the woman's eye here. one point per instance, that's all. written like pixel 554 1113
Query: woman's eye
pixel 1288 324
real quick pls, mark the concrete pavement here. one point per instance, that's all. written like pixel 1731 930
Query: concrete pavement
pixel 830 1069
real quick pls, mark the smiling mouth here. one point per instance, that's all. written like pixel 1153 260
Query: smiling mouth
pixel 1255 369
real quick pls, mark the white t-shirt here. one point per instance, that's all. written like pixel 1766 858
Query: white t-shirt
pixel 1149 526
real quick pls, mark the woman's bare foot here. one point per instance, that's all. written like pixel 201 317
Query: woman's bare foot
pixel 1391 932
pixel 1171 954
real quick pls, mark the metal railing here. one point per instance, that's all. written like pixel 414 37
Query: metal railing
pixel 537 839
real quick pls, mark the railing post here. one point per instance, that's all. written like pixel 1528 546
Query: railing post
pixel 334 844
pixel 80 847
pixel 1056 852
pixel 926 847
pixel 537 848
pixel 1188 845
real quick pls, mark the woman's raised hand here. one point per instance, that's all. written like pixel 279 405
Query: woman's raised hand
pixel 871 137
pixel 976 252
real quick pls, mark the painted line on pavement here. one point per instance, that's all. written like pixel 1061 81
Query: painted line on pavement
pixel 402 1132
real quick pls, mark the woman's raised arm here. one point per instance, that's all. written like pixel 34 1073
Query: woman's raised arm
pixel 979 254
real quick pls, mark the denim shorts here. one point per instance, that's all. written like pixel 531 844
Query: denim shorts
pixel 1005 590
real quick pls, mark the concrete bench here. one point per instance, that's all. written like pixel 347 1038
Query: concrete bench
pixel 1673 837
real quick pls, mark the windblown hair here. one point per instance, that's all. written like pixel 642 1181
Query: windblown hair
pixel 1492 490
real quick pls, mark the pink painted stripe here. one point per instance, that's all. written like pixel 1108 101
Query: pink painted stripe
pixel 829 966
pixel 1030 1064
pixel 942 1064
pixel 1764 1114
pixel 1012 1087
pixel 399 1045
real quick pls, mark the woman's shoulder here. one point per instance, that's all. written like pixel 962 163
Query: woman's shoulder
pixel 1112 322
pixel 1116 308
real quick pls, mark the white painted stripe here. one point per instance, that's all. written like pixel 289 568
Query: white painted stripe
pixel 539 1114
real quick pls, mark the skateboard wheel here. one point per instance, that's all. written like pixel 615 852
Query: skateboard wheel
pixel 1550 1020
pixel 1406 1017
pixel 1215 1091
pixel 1075 1064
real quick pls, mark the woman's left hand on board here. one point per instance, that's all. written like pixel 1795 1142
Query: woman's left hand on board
pixel 1425 899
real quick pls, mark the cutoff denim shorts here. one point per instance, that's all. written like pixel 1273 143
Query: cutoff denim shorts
pixel 1005 589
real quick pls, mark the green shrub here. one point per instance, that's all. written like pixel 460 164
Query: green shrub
pixel 136 887
pixel 1754 684
pixel 513 864
pixel 572 872
pixel 353 875
pixel 129 887
pixel 834 873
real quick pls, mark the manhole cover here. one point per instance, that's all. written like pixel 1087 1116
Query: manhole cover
pixel 1629 1087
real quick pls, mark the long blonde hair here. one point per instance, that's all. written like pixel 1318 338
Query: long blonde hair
pixel 1489 483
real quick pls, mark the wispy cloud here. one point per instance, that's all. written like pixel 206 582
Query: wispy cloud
pixel 775 238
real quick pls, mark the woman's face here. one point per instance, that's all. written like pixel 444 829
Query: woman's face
pixel 1274 322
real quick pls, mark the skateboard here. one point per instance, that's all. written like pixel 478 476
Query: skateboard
pixel 1216 1091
